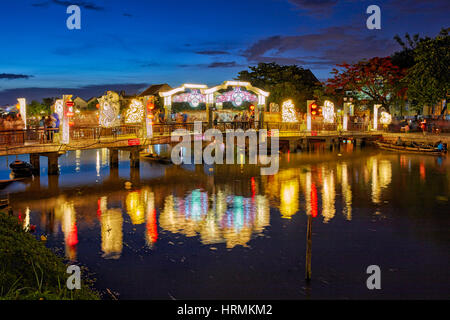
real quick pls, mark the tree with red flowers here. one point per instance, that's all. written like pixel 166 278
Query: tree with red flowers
pixel 376 80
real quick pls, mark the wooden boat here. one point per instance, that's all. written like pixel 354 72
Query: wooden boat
pixel 156 158
pixel 21 169
pixel 5 183
pixel 409 149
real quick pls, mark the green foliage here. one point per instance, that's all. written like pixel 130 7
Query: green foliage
pixel 405 59
pixel 37 109
pixel 283 82
pixel 29 270
pixel 428 80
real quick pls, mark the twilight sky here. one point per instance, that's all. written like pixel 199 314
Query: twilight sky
pixel 132 44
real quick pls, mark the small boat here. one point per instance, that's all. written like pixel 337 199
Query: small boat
pixel 410 149
pixel 21 169
pixel 5 183
pixel 156 158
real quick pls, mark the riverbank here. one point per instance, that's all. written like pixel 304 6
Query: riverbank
pixel 31 271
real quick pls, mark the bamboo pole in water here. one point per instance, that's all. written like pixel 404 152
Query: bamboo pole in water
pixel 308 249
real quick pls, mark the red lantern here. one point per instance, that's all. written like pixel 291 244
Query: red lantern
pixel 252 107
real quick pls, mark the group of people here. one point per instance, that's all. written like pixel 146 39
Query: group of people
pixel 49 125
pixel 14 126
pixel 11 122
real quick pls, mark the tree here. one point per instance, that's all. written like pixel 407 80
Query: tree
pixel 37 109
pixel 405 59
pixel 283 82
pixel 428 80
pixel 377 80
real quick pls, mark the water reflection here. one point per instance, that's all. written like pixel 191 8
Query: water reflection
pixel 65 213
pixel 112 233
pixel 223 218
pixel 215 212
pixel 381 177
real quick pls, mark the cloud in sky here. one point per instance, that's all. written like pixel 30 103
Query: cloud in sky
pixel 9 96
pixel 13 76
pixel 212 52
pixel 327 47
pixel 83 4
pixel 314 5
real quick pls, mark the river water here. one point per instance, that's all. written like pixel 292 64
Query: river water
pixel 226 232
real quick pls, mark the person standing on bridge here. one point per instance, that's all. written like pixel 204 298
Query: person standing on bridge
pixel 49 129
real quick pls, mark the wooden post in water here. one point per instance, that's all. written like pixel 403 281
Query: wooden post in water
pixel 308 249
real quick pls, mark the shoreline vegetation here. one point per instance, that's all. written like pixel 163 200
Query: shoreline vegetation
pixel 31 271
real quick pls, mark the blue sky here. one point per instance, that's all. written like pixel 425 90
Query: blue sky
pixel 135 43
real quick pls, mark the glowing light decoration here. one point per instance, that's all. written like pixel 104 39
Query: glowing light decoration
pixel 328 112
pixel 22 106
pixel 385 118
pixel 59 108
pixel 65 138
pixel 194 98
pixel 288 112
pixel 375 116
pixel 237 97
pixel 135 113
pixel 109 110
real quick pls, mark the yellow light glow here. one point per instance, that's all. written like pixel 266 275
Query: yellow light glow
pixel 289 198
pixel 328 111
pixel 288 112
pixel 135 113
pixel 135 207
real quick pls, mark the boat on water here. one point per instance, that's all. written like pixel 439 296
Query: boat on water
pixel 156 158
pixel 5 183
pixel 410 149
pixel 21 169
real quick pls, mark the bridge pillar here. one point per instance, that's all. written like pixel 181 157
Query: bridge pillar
pixel 35 162
pixel 329 144
pixel 359 142
pixel 135 157
pixel 113 158
pixel 135 175
pixel 293 145
pixel 53 183
pixel 53 168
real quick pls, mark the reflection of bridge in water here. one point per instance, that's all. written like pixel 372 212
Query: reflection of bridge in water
pixel 212 208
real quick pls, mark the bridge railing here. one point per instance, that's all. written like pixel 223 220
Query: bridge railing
pixel 29 136
pixel 96 133
pixel 316 126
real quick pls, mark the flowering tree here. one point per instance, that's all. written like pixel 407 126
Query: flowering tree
pixel 376 80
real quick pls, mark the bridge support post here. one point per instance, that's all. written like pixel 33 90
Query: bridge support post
pixel 329 144
pixel 53 168
pixel 359 142
pixel 293 145
pixel 35 162
pixel 113 158
pixel 134 158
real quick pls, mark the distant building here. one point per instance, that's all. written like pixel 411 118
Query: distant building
pixel 155 89
pixel 80 103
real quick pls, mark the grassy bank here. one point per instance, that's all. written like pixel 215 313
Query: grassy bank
pixel 29 270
